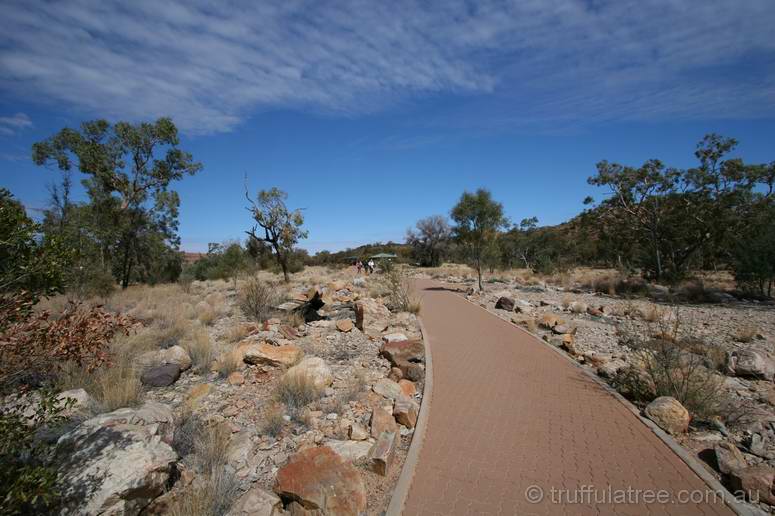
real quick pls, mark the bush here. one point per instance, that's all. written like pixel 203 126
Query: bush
pixel 400 295
pixel 33 347
pixel 672 363
pixel 257 299
pixel 296 392
pixel 200 349
pixel 273 420
pixel 27 482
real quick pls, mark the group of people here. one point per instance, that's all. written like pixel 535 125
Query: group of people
pixel 367 267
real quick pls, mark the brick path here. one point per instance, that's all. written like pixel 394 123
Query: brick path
pixel 508 413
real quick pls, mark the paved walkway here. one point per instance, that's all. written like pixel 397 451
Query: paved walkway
pixel 508 413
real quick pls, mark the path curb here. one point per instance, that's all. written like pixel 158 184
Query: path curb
pixel 733 503
pixel 401 491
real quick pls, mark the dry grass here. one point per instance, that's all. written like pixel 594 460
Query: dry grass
pixel 400 296
pixel 296 392
pixel 293 319
pixel 119 385
pixel 200 349
pixel 211 495
pixel 228 362
pixel 257 299
pixel 238 332
pixel 746 333
pixel 205 313
pixel 566 301
pixel 273 420
pixel 651 313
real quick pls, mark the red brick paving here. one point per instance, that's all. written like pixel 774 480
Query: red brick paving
pixel 508 413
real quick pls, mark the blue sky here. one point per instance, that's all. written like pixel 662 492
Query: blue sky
pixel 372 115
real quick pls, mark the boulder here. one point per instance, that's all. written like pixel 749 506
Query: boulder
pixel 387 388
pixel 505 303
pixel 80 402
pixel 728 457
pixel 668 414
pixel 314 368
pixel 111 465
pixel 320 480
pixel 374 318
pixel 381 454
pixel 382 420
pixel 408 388
pixel 344 325
pixel 161 376
pixel 394 337
pixel 173 355
pixel 266 354
pixel 150 413
pixel 352 451
pixel 357 432
pixel 756 483
pixel 405 411
pixel 256 502
pixel 751 364
pixel 406 355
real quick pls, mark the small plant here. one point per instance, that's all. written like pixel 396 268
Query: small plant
pixel 746 333
pixel 668 365
pixel 27 483
pixel 273 420
pixel 400 295
pixel 200 349
pixel 257 299
pixel 296 392
pixel 227 364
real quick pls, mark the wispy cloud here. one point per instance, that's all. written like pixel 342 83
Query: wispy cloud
pixel 10 125
pixel 535 62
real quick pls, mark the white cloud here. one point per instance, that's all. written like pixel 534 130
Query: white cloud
pixel 535 62
pixel 10 125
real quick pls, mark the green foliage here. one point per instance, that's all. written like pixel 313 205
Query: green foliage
pixel 478 220
pixel 669 221
pixel 429 240
pixel 753 257
pixel 27 482
pixel 279 226
pixel 26 262
pixel 129 226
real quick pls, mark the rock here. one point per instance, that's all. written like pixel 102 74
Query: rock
pixel 610 369
pixel 757 483
pixel 748 363
pixel 407 355
pixel 319 480
pixel 352 451
pixel 405 411
pixel 256 502
pixel 357 432
pixel 577 307
pixel 108 466
pixel 375 315
pixel 668 414
pixel 549 321
pixel 173 355
pixel 594 312
pixel 408 388
pixel 381 454
pixel 236 378
pixel 266 354
pixel 161 376
pixel 505 303
pixel 314 368
pixel 560 329
pixel 387 388
pixel 81 402
pixel 197 392
pixel 728 457
pixel 344 325
pixel 394 337
pixel 395 374
pixel 382 420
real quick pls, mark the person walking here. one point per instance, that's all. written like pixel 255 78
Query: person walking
pixel 371 266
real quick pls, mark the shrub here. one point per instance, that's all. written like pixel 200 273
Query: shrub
pixel 257 299
pixel 746 333
pixel 32 347
pixel 400 295
pixel 670 366
pixel 227 364
pixel 27 483
pixel 200 349
pixel 273 420
pixel 211 495
pixel 296 392
pixel 119 384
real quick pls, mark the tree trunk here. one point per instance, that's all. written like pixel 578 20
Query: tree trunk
pixel 126 265
pixel 284 265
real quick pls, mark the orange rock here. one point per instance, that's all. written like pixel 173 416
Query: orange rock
pixel 344 325
pixel 408 388
pixel 236 378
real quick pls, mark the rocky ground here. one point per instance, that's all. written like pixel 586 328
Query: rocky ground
pixel 732 342
pixel 292 415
